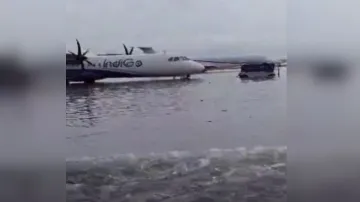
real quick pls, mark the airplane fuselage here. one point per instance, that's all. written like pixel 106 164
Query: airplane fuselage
pixel 155 65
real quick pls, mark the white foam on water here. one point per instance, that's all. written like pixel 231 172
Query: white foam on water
pixel 181 175
pixel 239 152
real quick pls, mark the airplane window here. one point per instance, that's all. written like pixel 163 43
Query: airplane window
pixel 174 59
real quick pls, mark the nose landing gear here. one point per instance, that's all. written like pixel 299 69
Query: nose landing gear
pixel 186 77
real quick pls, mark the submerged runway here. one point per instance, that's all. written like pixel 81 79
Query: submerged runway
pixel 212 138
pixel 143 116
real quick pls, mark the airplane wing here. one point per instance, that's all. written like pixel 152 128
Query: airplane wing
pixel 209 61
pixel 227 62
pixel 218 64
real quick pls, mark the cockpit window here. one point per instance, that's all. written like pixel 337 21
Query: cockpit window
pixel 181 58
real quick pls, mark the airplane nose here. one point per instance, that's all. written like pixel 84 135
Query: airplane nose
pixel 198 67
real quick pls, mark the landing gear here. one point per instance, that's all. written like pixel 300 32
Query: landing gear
pixel 243 76
pixel 186 77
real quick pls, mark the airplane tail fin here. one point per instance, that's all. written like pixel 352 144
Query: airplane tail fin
pixel 147 50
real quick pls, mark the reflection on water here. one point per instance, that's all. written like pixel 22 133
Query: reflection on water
pixel 88 105
pixel 259 79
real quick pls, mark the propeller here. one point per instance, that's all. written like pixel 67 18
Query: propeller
pixel 81 57
pixel 127 52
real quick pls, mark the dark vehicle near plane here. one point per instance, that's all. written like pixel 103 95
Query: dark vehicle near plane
pixel 257 70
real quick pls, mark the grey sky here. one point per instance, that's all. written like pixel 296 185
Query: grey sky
pixel 189 26
pixel 229 27
pixel 329 25
pixel 32 27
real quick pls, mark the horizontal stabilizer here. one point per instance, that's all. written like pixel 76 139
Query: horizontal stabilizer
pixel 147 50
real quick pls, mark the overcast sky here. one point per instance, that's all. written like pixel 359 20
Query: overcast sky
pixel 225 27
pixel 325 24
pixel 206 26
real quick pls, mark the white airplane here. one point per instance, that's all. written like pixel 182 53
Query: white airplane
pixel 88 69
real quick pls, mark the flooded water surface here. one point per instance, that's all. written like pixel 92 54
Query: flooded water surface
pixel 142 116
pixel 213 138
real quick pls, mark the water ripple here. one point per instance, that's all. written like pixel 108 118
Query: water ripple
pixel 240 174
pixel 86 106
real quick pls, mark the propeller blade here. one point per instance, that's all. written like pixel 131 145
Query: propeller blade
pixel 90 63
pixel 126 50
pixel 131 50
pixel 86 52
pixel 79 47
pixel 72 53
